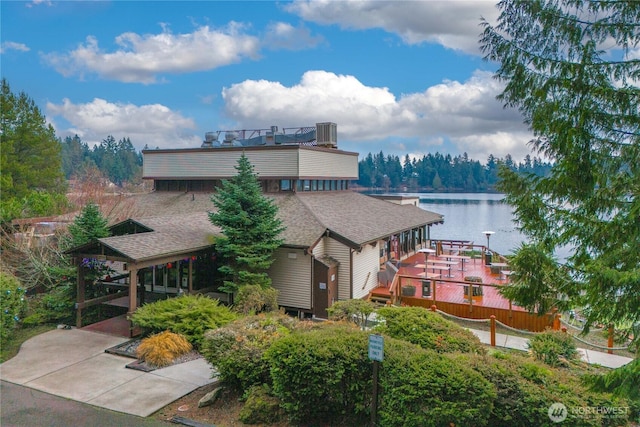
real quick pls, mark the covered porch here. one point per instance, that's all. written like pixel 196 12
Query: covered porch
pixel 138 263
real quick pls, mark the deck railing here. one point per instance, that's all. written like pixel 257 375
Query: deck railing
pixel 514 318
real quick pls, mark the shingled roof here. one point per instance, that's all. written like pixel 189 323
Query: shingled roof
pixel 180 222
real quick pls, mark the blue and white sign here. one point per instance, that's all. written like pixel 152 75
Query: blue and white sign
pixel 376 347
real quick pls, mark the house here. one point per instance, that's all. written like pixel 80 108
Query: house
pixel 335 243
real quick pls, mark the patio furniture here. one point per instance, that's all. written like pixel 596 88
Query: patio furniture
pixel 426 288
pixel 477 290
pixel 408 291
pixel 497 266
pixel 504 274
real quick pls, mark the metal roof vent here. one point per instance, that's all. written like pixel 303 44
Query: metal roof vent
pixel 327 135
pixel 209 139
pixel 229 137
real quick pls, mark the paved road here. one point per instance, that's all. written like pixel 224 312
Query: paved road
pixel 25 407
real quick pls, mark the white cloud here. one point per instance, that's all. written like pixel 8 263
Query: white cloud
pixel 153 124
pixel 7 46
pixel 453 24
pixel 39 2
pixel 141 58
pixel 466 114
pixel 282 35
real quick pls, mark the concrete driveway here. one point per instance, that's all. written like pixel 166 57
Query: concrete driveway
pixel 73 364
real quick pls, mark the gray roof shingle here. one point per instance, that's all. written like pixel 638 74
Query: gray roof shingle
pixel 180 221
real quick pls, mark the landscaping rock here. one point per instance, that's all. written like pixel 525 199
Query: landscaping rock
pixel 209 398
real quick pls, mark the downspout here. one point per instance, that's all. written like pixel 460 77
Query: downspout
pixel 351 273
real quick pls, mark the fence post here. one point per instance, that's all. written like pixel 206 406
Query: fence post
pixel 433 307
pixel 556 319
pixel 493 330
pixel 434 285
pixel 610 340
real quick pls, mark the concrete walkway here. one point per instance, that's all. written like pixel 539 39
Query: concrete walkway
pixel 518 343
pixel 73 364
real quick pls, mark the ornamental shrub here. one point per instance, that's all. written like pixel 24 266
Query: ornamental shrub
pixel 323 376
pixel 261 407
pixel 188 315
pixel 254 299
pixel 554 348
pixel 163 348
pixel 12 303
pixel 352 310
pixel 421 387
pixel 525 390
pixel 236 350
pixel 427 329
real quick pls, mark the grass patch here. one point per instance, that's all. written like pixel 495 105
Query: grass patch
pixel 11 347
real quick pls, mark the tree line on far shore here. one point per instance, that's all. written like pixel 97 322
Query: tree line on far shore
pixel 441 172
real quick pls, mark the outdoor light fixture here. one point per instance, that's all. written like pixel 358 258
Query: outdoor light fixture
pixel 488 234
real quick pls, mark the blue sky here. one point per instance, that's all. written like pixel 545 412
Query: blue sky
pixel 402 77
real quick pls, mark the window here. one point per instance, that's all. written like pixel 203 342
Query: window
pixel 307 185
pixel 285 185
pixel 314 185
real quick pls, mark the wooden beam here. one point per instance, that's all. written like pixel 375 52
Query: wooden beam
pixel 80 294
pixel 100 300
pixel 133 294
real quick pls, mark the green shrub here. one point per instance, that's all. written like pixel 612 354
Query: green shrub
pixel 423 388
pixel 553 347
pixel 261 407
pixel 525 390
pixel 236 350
pixel 323 375
pixel 55 305
pixel 427 329
pixel 352 310
pixel 253 299
pixel 12 304
pixel 188 315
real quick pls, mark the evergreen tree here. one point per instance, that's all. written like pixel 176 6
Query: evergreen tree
pixel 29 155
pixel 569 69
pixel 251 229
pixel 87 227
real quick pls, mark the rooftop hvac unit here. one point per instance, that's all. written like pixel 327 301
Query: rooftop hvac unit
pixel 327 135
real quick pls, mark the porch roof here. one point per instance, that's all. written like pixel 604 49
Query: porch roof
pixel 169 236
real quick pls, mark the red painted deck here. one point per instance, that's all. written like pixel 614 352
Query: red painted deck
pixel 450 294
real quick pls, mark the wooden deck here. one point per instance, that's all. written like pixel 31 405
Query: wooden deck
pixel 448 291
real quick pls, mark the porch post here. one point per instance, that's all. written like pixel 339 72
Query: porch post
pixel 190 273
pixel 133 290
pixel 80 294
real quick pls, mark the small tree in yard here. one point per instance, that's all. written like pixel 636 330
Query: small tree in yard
pixel 89 225
pixel 251 228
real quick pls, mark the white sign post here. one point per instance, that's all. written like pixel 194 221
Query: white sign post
pixel 376 353
pixel 376 347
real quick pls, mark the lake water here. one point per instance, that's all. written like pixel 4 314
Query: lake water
pixel 467 215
